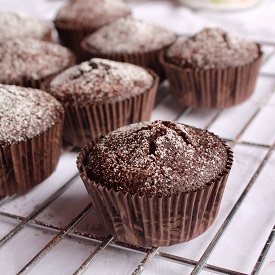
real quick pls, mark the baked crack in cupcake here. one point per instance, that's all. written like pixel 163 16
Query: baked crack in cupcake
pixel 30 137
pixel 15 25
pixel 100 96
pixel 32 63
pixel 156 183
pixel 212 69
pixel 81 18
pixel 130 40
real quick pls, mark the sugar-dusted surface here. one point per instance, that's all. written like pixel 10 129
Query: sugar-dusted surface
pixel 16 24
pixel 91 13
pixel 25 113
pixel 240 246
pixel 100 80
pixel 30 59
pixel 160 158
pixel 129 35
pixel 212 48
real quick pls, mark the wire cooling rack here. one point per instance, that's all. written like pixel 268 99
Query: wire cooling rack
pixel 53 228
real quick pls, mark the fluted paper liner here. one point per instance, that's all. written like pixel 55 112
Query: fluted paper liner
pixel 213 88
pixel 27 163
pixel 155 221
pixel 48 36
pixel 84 123
pixel 148 59
pixel 72 38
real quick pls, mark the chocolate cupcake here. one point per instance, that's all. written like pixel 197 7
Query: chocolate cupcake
pixel 15 25
pixel 213 69
pixel 30 137
pixel 32 63
pixel 156 183
pixel 80 18
pixel 130 40
pixel 102 95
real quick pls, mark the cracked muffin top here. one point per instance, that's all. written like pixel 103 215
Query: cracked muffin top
pixel 90 13
pixel 157 158
pixel 26 113
pixel 100 80
pixel 15 24
pixel 212 48
pixel 27 60
pixel 129 35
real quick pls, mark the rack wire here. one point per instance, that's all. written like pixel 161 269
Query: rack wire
pixel 150 253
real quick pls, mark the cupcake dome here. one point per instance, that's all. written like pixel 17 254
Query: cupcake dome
pixel 212 69
pixel 212 49
pixel 129 40
pixel 32 63
pixel 15 25
pixel 82 17
pixel 156 183
pixel 30 138
pixel 102 95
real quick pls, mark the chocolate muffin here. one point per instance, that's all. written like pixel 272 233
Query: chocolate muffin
pixel 102 95
pixel 156 183
pixel 212 69
pixel 30 137
pixel 32 63
pixel 130 40
pixel 80 18
pixel 15 25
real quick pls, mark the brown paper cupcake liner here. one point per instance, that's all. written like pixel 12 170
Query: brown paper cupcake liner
pixel 213 88
pixel 155 221
pixel 72 37
pixel 27 163
pixel 48 36
pixel 148 59
pixel 84 123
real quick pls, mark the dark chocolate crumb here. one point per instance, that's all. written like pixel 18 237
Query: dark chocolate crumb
pixel 212 48
pixel 25 113
pixel 129 35
pixel 100 80
pixel 158 158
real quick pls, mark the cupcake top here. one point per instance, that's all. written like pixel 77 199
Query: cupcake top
pixel 31 59
pixel 25 113
pixel 157 158
pixel 212 48
pixel 14 25
pixel 90 13
pixel 100 80
pixel 129 35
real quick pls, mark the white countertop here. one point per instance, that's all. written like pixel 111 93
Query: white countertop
pixel 251 125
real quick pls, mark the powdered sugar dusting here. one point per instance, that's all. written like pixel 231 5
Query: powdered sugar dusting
pixel 91 13
pixel 15 24
pixel 130 35
pixel 100 80
pixel 212 48
pixel 25 113
pixel 28 59
pixel 159 158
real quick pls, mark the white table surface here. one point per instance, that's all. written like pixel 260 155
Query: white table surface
pixel 241 244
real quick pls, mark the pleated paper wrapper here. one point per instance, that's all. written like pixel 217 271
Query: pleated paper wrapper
pixel 87 122
pixel 155 221
pixel 71 38
pixel 27 163
pixel 212 88
pixel 148 59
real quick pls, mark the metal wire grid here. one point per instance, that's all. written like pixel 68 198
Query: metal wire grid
pixel 150 253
